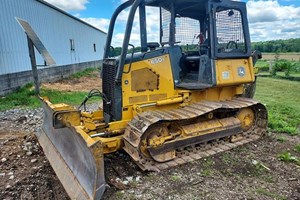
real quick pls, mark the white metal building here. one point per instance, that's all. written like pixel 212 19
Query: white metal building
pixel 68 39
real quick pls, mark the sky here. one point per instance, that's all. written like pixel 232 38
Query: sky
pixel 268 19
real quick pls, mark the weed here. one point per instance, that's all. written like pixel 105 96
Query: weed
pixel 281 139
pixel 208 163
pixel 227 158
pixel 120 194
pixel 297 148
pixel 242 149
pixel 207 172
pixel 265 192
pixel 175 178
pixel 269 179
pixel 151 176
pixel 89 72
pixel 288 157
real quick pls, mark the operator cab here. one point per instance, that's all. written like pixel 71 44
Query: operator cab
pixel 206 41
pixel 205 31
pixel 195 33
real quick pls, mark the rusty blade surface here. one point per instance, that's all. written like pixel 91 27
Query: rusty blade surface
pixel 79 168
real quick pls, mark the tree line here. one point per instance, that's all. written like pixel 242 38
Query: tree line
pixel 274 46
pixel 278 46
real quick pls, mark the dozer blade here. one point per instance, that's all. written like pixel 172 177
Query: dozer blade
pixel 79 166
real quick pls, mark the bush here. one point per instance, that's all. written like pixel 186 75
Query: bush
pixel 283 66
pixel 296 67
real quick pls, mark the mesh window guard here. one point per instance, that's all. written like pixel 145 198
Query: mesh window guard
pixel 187 30
pixel 165 25
pixel 230 34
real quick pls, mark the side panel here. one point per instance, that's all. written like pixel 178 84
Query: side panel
pixel 157 72
pixel 234 71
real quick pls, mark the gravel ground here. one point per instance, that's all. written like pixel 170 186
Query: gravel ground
pixel 249 172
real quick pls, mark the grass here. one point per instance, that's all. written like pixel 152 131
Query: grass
pixel 25 97
pixel 227 158
pixel 297 148
pixel 280 74
pixel 261 63
pixel 263 191
pixel 207 172
pixel 281 139
pixel 175 178
pixel 207 166
pixel 89 72
pixel 282 99
pixel 288 157
pixel 72 98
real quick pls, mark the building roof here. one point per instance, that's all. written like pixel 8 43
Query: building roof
pixel 69 15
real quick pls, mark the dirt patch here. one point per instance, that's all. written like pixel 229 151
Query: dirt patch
pixel 26 173
pixel 84 84
pixel 230 175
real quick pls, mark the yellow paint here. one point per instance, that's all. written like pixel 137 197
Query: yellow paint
pixel 136 102
pixel 166 85
pixel 163 98
pixel 227 71
pixel 118 126
pixel 112 144
pixel 246 116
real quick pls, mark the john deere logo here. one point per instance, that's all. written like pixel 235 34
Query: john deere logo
pixel 241 71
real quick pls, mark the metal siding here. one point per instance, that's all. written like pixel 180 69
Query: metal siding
pixel 55 30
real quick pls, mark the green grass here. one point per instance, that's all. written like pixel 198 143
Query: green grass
pixel 228 159
pixel 279 74
pixel 25 98
pixel 297 148
pixel 207 172
pixel 282 99
pixel 175 178
pixel 281 139
pixel 263 191
pixel 288 157
pixel 262 64
pixel 89 72
pixel 207 165
pixel 72 98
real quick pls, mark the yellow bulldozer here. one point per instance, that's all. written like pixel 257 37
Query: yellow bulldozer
pixel 165 103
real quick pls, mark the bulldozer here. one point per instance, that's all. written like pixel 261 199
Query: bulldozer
pixel 165 103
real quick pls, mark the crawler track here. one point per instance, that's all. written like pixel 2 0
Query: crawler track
pixel 202 145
